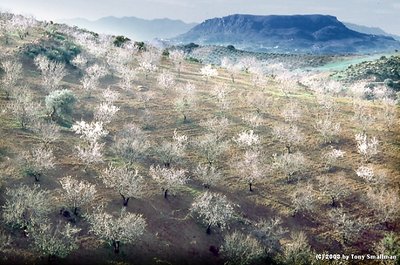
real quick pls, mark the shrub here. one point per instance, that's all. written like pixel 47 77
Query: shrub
pixel 59 103
pixel 120 40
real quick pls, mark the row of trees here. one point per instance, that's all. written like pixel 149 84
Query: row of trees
pixel 220 139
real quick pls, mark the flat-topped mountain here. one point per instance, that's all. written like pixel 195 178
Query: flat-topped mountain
pixel 296 33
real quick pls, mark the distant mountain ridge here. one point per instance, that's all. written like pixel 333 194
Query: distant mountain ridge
pixel 295 33
pixel 369 30
pixel 135 28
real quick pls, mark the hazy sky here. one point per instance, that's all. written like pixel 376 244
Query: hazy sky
pixel 379 13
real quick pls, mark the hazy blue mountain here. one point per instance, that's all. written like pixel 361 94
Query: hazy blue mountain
pixel 369 30
pixel 134 28
pixel 297 33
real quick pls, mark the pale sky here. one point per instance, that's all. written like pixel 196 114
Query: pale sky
pixel 378 13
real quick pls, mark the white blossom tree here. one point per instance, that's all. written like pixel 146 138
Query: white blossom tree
pixel 213 209
pixel 127 76
pixel 328 130
pixel 366 146
pixel 247 139
pixel 208 72
pixel 289 135
pixel 90 153
pixel 148 61
pixel 221 93
pixel 177 57
pixel 38 160
pixel 216 125
pixel 48 132
pixel 254 120
pixel 332 158
pixel 128 183
pixel 105 112
pixel 231 67
pixel 385 204
pixel 186 99
pixel 335 189
pixel 208 175
pixel 52 72
pixel 90 132
pixel 24 108
pixel 241 249
pixel 110 96
pixel 346 227
pixel 297 250
pixel 26 206
pixel 372 176
pixel 12 74
pixel 166 80
pixel 303 199
pixel 90 80
pixel 290 164
pixel 77 194
pixel 211 146
pixel 80 61
pixel 131 143
pixel 172 151
pixel 168 179
pixel 55 240
pixel 122 229
pixel 270 232
pixel 249 168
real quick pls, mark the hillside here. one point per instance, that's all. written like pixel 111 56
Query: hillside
pixel 135 28
pixel 115 152
pixel 379 70
pixel 293 34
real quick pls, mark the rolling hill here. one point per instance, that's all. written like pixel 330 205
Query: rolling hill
pixel 132 27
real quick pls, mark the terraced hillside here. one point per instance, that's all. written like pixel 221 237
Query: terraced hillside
pixel 204 162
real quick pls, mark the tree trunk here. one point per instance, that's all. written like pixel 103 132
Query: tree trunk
pixel 233 78
pixel 165 193
pixel 333 204
pixel 250 188
pixel 115 244
pixel 288 149
pixel 184 118
pixel 37 176
pixel 208 231
pixel 76 211
pixel 53 114
pixel 126 200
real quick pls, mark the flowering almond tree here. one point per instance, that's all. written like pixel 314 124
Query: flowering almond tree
pixel 26 206
pixel 38 160
pixel 208 175
pixel 208 72
pixel 241 249
pixel 247 139
pixel 213 209
pixel 52 72
pixel 77 194
pixel 169 179
pixel 124 228
pixel 54 240
pixel 249 168
pixel 128 183
pixel 367 147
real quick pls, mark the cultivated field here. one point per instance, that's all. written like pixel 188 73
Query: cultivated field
pixel 116 152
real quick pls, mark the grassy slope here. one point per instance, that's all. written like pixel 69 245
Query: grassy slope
pixel 173 235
